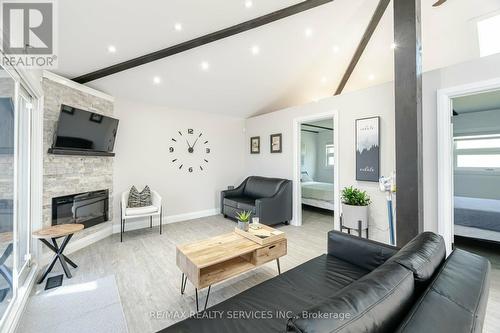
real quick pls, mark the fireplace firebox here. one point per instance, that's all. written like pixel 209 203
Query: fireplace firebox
pixel 89 208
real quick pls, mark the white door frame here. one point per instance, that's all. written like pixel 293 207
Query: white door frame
pixel 297 190
pixel 445 151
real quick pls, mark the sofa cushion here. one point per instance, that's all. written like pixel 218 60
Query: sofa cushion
pixel 141 210
pixel 456 299
pixel 422 255
pixel 270 304
pixel 242 203
pixel 375 303
pixel 261 187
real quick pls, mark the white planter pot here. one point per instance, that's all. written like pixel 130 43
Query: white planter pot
pixel 351 215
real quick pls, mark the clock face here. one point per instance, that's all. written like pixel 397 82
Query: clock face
pixel 190 151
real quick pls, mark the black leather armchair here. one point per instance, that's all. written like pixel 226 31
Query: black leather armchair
pixel 270 199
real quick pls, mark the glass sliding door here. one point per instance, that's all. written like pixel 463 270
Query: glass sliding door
pixel 15 187
pixel 23 185
pixel 7 188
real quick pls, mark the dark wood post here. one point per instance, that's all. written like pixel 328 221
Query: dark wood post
pixel 408 109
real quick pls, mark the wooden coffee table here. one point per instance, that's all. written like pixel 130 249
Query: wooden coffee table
pixel 219 258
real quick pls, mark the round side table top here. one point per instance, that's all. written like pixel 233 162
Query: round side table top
pixel 58 230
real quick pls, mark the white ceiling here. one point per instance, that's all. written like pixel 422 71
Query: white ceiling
pixel 290 69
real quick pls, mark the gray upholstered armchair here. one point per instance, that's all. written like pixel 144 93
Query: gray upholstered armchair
pixel 269 199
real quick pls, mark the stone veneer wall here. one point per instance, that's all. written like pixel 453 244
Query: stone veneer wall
pixel 64 175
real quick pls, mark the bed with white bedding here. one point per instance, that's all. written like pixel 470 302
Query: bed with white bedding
pixel 318 194
pixel 477 213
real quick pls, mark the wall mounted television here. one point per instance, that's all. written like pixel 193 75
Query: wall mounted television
pixel 81 132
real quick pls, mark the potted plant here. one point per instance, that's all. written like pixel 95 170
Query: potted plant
pixel 355 205
pixel 243 219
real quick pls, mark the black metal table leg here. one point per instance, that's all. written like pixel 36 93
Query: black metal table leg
pixel 206 300
pixel 183 283
pixel 54 249
pixel 58 256
pixel 278 263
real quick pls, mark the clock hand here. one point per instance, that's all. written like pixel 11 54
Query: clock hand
pixel 188 143
pixel 194 144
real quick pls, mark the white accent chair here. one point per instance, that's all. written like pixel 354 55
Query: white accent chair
pixel 156 209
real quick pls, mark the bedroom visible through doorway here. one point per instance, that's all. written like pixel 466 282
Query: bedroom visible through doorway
pixel 317 165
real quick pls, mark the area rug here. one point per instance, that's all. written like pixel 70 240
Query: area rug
pixel 93 306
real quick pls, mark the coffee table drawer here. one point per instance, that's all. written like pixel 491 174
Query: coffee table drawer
pixel 269 252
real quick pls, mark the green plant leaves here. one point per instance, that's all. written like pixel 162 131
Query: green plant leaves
pixel 355 197
pixel 244 216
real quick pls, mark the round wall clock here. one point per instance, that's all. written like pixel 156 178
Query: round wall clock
pixel 190 150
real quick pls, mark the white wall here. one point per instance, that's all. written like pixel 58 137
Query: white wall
pixel 309 152
pixel 324 173
pixel 481 69
pixel 378 100
pixel 143 157
pixel 375 101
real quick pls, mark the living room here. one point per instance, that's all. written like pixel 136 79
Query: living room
pixel 157 183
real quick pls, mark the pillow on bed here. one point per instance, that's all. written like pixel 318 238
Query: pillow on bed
pixel 304 177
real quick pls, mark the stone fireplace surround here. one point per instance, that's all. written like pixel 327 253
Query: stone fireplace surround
pixel 65 175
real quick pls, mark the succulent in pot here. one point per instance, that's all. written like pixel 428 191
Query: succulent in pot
pixel 355 205
pixel 243 219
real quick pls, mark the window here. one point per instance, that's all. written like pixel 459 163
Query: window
pixel 329 155
pixel 488 31
pixel 480 152
pixel 15 187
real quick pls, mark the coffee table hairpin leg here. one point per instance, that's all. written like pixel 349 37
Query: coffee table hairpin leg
pixel 183 289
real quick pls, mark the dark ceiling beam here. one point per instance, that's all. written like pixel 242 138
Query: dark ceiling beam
pixel 408 119
pixel 197 42
pixel 370 29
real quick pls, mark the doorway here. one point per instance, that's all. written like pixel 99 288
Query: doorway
pixel 469 163
pixel 316 194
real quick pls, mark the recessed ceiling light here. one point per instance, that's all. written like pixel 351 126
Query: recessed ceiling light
pixel 255 49
pixel 335 49
pixel 111 49
pixel 371 77
pixel 178 27
pixel 205 65
pixel 157 80
pixel 393 45
pixel 308 32
pixel 248 4
pixel 324 79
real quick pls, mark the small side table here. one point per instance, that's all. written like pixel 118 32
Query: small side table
pixel 63 230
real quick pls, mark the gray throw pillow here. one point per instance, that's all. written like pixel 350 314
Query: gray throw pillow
pixel 139 199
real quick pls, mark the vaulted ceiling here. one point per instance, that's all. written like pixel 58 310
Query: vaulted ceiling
pixel 289 62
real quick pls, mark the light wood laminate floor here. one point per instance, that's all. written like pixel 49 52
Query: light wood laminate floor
pixel 149 281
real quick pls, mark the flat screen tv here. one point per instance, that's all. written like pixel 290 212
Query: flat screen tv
pixel 80 130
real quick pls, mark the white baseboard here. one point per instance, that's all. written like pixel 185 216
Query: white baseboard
pixel 144 222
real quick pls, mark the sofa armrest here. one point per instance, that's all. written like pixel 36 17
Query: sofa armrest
pixel 362 252
pixel 277 208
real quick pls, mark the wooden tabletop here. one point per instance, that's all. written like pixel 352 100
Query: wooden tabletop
pixel 58 230
pixel 217 249
pixel 6 237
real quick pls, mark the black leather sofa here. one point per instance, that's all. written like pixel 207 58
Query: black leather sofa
pixel 361 286
pixel 270 199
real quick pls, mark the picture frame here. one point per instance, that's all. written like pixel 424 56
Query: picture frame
pixel 96 118
pixel 276 145
pixel 368 149
pixel 255 145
